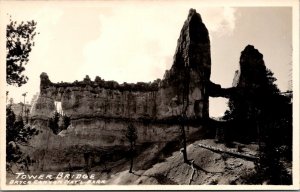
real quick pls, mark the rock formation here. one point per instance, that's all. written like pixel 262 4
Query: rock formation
pixel 253 96
pixel 101 110
pixel 156 100
pixel 191 67
pixel 252 74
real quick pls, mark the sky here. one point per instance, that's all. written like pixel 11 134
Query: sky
pixel 135 42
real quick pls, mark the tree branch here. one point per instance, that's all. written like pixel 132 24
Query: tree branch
pixel 232 153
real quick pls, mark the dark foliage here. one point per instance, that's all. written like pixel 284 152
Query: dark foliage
pixel 66 122
pixel 16 134
pixel 19 42
pixel 256 104
pixel 53 123
pixel 258 112
pixel 58 122
pixel 112 85
pixel 131 135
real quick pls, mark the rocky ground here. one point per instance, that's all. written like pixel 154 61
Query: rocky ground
pixel 154 167
pixel 208 168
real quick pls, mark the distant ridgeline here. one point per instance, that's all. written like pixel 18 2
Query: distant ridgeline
pixel 101 110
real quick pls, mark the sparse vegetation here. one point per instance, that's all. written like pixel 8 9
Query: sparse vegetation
pixel 131 135
pixel 17 134
pixel 58 122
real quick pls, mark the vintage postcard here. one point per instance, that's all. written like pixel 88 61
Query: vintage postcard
pixel 149 95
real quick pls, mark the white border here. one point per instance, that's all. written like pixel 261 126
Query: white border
pixel 235 3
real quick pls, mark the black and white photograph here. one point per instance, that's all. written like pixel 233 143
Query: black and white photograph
pixel 149 95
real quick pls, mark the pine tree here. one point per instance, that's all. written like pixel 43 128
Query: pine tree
pixel 259 112
pixel 19 43
pixel 131 135
pixel 16 134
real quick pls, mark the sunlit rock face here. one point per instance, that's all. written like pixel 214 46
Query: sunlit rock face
pixel 100 111
pixel 159 99
pixel 191 69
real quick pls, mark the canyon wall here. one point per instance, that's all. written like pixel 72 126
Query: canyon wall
pixel 156 100
pixel 100 110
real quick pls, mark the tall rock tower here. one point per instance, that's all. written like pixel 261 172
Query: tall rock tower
pixel 190 72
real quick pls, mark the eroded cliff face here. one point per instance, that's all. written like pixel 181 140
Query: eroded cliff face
pixel 191 67
pixel 159 99
pixel 100 111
